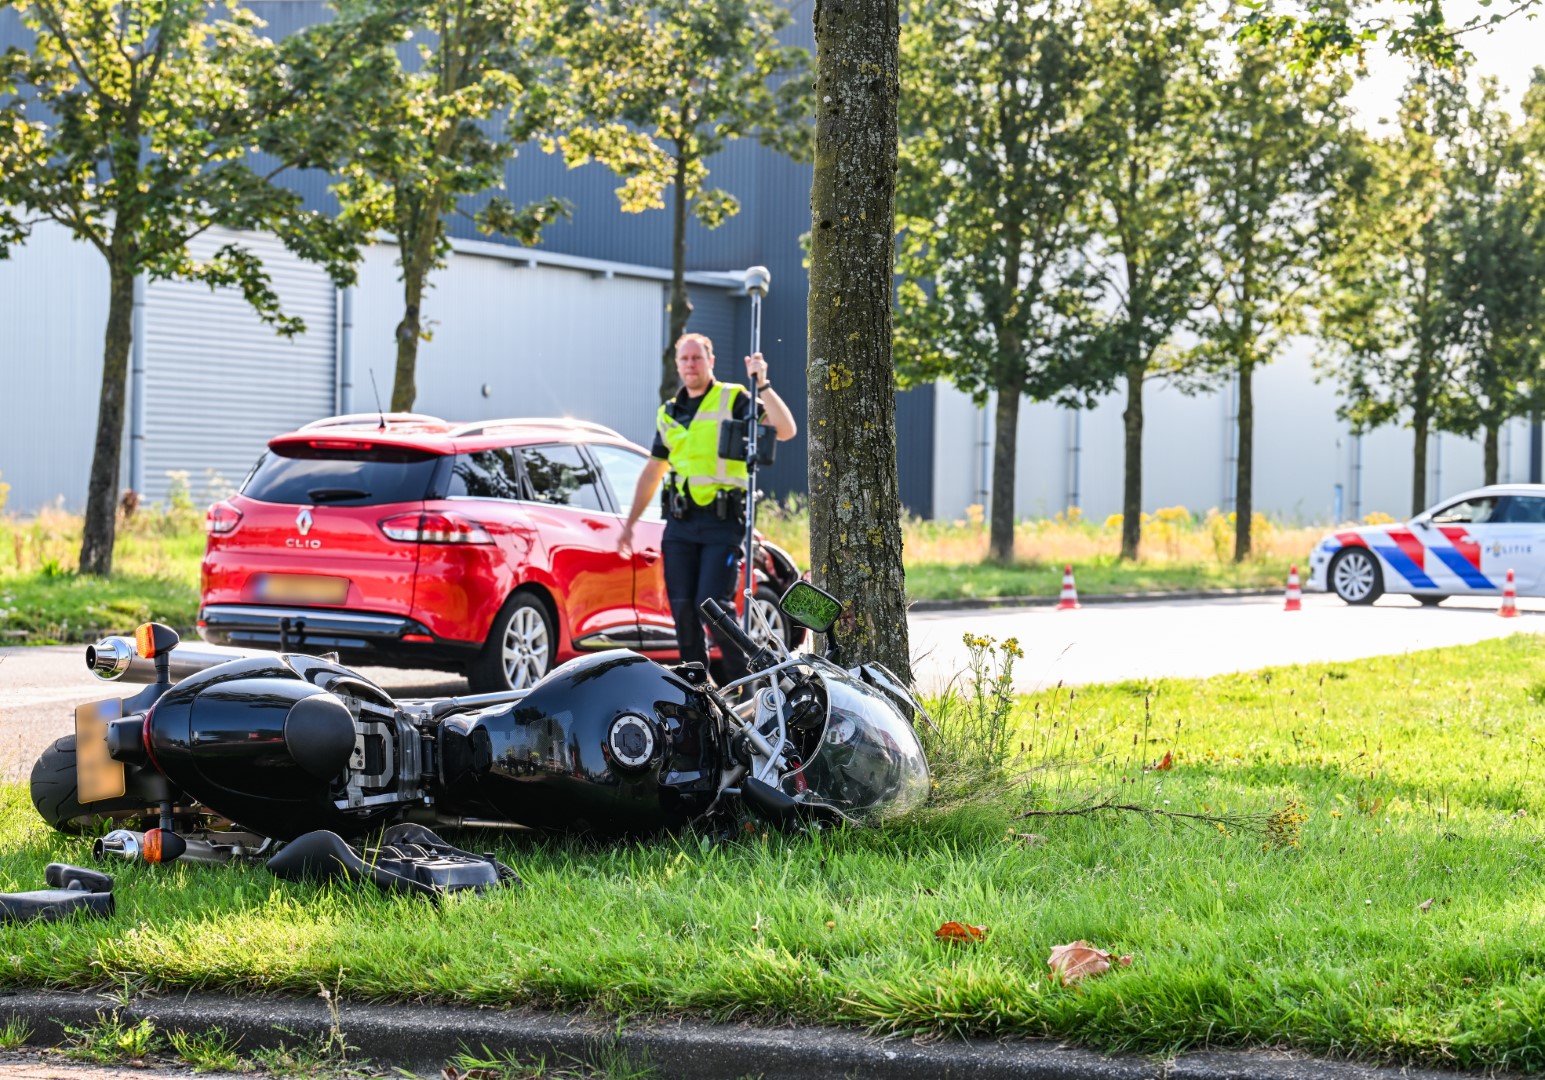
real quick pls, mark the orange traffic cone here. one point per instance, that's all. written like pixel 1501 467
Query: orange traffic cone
pixel 1295 595
pixel 1509 608
pixel 1069 600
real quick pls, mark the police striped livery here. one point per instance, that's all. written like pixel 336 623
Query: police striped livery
pixel 1463 545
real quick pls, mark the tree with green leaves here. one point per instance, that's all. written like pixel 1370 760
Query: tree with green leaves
pixel 1497 286
pixel 1322 31
pixel 1273 153
pixel 134 125
pixel 1149 111
pixel 994 162
pixel 443 129
pixel 855 497
pixel 660 86
pixel 1388 317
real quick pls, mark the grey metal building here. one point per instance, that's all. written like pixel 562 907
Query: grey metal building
pixel 574 327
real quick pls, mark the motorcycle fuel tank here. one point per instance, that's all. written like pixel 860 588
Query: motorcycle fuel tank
pixel 611 744
pixel 255 742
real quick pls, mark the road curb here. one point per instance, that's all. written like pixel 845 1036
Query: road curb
pixel 423 1038
pixel 977 603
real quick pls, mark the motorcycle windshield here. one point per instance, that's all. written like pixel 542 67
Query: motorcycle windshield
pixel 869 764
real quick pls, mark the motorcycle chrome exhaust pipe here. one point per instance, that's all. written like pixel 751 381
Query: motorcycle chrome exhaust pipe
pixel 115 659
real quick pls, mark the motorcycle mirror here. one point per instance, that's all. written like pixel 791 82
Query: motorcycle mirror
pixel 813 608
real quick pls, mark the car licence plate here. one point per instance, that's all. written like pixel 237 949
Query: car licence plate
pixel 303 588
pixel 97 776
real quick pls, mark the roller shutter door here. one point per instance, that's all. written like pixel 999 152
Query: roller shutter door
pixel 219 383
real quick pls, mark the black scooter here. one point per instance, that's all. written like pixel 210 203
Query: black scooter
pixel 227 752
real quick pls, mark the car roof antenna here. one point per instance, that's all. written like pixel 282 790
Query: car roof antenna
pixel 377 390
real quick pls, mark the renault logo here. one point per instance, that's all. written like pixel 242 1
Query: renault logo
pixel 303 520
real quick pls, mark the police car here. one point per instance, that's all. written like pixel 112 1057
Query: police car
pixel 1464 545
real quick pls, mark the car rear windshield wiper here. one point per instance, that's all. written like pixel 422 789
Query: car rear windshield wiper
pixel 322 495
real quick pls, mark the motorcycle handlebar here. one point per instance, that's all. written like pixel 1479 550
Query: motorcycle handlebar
pixel 757 657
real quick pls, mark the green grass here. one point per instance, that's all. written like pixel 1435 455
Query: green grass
pixel 1096 575
pixel 43 600
pixel 43 608
pixel 1420 776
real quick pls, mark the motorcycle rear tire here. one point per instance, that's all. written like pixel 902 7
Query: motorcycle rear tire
pixel 54 793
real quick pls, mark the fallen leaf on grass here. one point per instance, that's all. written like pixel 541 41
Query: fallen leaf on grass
pixel 1424 905
pixel 960 933
pixel 1080 960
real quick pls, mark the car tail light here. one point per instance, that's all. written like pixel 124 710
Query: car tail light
pixel 221 518
pixel 435 529
pixel 339 444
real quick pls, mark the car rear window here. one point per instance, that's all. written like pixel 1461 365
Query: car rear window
pixel 361 476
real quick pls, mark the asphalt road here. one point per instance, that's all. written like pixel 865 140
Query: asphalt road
pixel 1192 638
pixel 40 687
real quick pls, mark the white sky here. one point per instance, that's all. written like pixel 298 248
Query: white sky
pixel 1509 52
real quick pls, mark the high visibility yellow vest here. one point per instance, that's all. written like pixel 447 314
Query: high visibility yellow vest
pixel 694 448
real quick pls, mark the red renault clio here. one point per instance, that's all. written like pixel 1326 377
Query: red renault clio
pixel 487 548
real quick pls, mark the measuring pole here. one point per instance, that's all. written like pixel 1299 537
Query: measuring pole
pixel 757 281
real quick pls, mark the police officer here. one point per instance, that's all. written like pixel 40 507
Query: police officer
pixel 705 499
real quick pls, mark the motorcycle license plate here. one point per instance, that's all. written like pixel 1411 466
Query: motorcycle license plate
pixel 303 588
pixel 97 776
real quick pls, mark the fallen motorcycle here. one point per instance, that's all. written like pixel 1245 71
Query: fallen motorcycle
pixel 229 753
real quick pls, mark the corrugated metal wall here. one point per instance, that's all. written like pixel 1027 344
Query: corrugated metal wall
pixel 53 305
pixel 219 382
pixel 515 340
pixel 1302 453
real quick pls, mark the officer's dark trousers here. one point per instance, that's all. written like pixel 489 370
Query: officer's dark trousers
pixel 696 570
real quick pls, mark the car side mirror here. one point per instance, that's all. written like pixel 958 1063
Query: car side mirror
pixel 813 608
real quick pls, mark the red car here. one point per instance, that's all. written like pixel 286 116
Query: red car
pixel 487 548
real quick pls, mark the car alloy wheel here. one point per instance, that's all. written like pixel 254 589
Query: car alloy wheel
pixel 1355 577
pixel 527 647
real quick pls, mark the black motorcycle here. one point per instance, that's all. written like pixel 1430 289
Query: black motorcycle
pixel 226 752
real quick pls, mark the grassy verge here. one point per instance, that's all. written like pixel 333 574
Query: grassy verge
pixel 1096 576
pixel 1392 911
pixel 43 599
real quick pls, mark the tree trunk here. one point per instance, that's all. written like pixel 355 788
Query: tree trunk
pixel 1132 486
pixel 681 303
pixel 855 501
pixel 418 256
pixel 1004 453
pixel 1419 429
pixel 1244 509
pixel 1491 453
pixel 96 548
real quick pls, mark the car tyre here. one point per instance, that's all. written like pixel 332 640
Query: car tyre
pixel 1355 576
pixel 520 648
pixel 1430 600
pixel 55 795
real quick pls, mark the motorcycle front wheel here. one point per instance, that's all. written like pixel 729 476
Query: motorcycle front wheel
pixel 54 794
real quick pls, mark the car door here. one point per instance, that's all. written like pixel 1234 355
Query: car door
pixel 581 535
pixel 1458 537
pixel 621 467
pixel 1516 541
